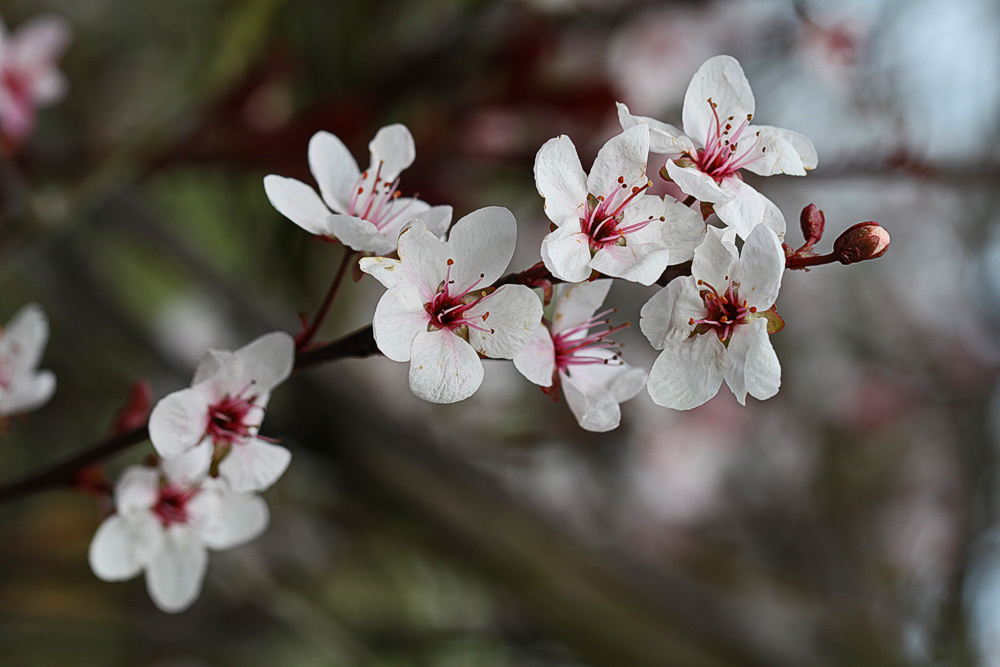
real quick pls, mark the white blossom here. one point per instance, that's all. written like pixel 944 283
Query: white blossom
pixel 22 342
pixel 573 352
pixel 219 416
pixel 713 325
pixel 439 313
pixel 163 524
pixel 718 141
pixel 29 78
pixel 367 209
pixel 604 222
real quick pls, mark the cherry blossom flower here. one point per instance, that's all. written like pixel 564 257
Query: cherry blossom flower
pixel 22 387
pixel 439 313
pixel 29 79
pixel 604 222
pixel 163 524
pixel 573 351
pixel 718 142
pixel 714 324
pixel 368 211
pixel 218 417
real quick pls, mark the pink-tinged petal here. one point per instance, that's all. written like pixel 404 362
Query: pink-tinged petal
pixel 748 208
pixel 682 231
pixel 664 318
pixel 566 252
pixel 267 361
pixel 136 490
pixel 25 337
pixel 739 344
pixel 639 263
pixel 514 314
pixel 664 139
pixel 178 421
pixel 698 184
pixel 687 374
pixel 211 363
pixel 40 41
pixel 190 466
pixel 762 264
pixel 122 546
pixel 254 465
pixel 763 371
pixel 49 87
pixel 443 367
pixel 481 244
pixel 174 577
pixel 715 260
pixel 781 152
pixel 237 518
pixel 722 79
pixel 394 147
pixel 28 393
pixel 299 203
pixel 334 169
pixel 537 361
pixel 361 235
pixel 576 303
pixel 622 157
pixel 560 179
pixel 399 317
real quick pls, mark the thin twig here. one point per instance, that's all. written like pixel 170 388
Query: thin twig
pixel 302 341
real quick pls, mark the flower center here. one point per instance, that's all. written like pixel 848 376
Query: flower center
pixel 228 419
pixel 377 201
pixel 723 312
pixel 172 504
pixel 18 85
pixel 721 157
pixel 449 307
pixel 602 221
pixel 575 346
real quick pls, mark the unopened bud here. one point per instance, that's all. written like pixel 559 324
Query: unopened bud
pixel 812 222
pixel 865 240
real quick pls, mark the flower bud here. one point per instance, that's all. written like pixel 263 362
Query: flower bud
pixel 865 240
pixel 812 221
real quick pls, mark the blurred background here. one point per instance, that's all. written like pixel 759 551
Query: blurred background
pixel 851 520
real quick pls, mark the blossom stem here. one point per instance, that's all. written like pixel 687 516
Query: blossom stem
pixel 802 262
pixel 303 339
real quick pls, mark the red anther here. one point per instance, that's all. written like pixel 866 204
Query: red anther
pixel 450 262
pixel 621 179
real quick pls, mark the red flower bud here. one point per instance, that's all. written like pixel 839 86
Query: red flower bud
pixel 865 240
pixel 812 221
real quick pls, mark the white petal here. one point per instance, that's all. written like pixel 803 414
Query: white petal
pixel 211 362
pixel 481 244
pixel 174 577
pixel 178 421
pixel 698 184
pixel 560 179
pixel 360 235
pixel 715 260
pixel 566 252
pixel 593 405
pixel 514 314
pixel 254 465
pixel 120 546
pixel 237 518
pixel 189 466
pixel 443 367
pixel 49 86
pixel 664 139
pixel 437 219
pixel 424 260
pixel 27 392
pixel 739 344
pixel 664 318
pixel 136 490
pixel 782 152
pixel 762 264
pixel 267 361
pixel 334 169
pixel 537 361
pixel 722 79
pixel 399 317
pixel 393 146
pixel 577 303
pixel 682 231
pixel 25 337
pixel 639 263
pixel 748 208
pixel 622 157
pixel 40 40
pixel 299 203
pixel 763 372
pixel 688 373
